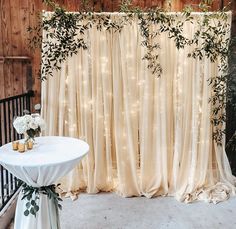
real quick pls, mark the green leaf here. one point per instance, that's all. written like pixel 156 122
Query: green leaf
pixel 32 211
pixel 28 205
pixel 59 206
pixel 26 212
pixel 36 208
pixel 33 202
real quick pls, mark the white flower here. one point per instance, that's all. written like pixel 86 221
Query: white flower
pixel 26 122
pixel 20 125
pixel 37 107
pixel 40 122
pixel 33 125
pixel 27 118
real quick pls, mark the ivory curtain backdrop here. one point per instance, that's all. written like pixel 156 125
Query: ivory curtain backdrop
pixel 148 136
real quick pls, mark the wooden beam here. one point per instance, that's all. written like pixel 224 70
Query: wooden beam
pixel 7 48
pixel 34 8
pixel 2 81
pixel 16 58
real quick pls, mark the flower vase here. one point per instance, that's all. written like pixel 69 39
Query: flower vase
pixel 28 138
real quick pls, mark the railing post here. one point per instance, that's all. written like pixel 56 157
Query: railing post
pixel 10 108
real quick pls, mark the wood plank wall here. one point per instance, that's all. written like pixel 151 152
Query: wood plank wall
pixel 17 76
pixel 13 42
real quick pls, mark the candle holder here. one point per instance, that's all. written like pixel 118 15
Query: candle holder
pixel 29 145
pixel 15 145
pixel 21 147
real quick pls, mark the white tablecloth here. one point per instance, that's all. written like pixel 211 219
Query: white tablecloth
pixel 50 159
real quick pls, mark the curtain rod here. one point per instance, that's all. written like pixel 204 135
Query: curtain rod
pixel 122 13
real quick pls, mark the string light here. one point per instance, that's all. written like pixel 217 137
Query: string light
pixel 141 82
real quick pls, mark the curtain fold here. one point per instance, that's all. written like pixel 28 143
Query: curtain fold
pixel 148 136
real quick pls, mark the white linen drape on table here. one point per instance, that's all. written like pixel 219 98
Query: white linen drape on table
pixel 148 136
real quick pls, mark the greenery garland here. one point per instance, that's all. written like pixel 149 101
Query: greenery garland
pixel 67 35
pixel 31 194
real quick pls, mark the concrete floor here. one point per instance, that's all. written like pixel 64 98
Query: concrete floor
pixel 110 211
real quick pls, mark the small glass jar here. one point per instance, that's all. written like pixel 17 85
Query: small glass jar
pixel 21 147
pixel 15 145
pixel 29 145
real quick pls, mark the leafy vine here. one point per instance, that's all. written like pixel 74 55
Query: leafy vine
pixel 31 194
pixel 67 35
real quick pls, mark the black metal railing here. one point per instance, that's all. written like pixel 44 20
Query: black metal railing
pixel 9 109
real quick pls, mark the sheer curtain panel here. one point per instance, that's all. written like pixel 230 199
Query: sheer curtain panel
pixel 147 136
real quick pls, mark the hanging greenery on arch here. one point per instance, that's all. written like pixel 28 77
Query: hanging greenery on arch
pixel 67 30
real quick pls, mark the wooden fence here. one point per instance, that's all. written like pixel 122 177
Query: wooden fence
pixel 20 74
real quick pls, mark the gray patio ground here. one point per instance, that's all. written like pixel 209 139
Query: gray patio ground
pixel 110 211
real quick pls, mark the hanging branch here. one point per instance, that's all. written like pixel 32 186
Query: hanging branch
pixel 65 36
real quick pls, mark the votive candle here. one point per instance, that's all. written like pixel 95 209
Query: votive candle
pixel 15 145
pixel 21 147
pixel 29 145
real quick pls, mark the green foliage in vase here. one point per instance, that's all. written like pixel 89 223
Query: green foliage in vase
pixel 31 133
pixel 67 35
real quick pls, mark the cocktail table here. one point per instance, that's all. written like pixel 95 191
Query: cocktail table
pixel 50 159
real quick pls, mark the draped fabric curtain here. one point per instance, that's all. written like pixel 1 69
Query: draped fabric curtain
pixel 148 136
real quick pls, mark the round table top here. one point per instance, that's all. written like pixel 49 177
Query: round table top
pixel 49 150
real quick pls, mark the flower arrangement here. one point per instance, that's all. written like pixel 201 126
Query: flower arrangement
pixel 30 125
